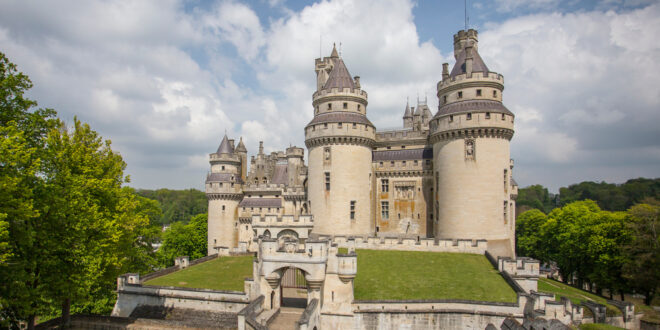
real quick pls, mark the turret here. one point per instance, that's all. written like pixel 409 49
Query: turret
pixel 223 191
pixel 407 117
pixel 339 139
pixel 470 135
pixel 242 152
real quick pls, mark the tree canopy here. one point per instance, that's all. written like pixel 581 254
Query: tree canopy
pixel 67 226
pixel 177 205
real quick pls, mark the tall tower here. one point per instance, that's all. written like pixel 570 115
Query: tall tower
pixel 474 194
pixel 339 140
pixel 223 190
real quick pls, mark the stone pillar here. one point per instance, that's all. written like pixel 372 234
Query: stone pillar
pixel 314 289
pixel 273 295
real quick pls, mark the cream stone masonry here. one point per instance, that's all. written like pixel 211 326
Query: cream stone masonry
pixel 474 193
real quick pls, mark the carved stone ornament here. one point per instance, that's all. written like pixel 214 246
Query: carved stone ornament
pixel 470 149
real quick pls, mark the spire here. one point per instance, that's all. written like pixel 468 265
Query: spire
pixel 407 114
pixel 241 146
pixel 334 51
pixel 418 111
pixel 225 146
pixel 339 77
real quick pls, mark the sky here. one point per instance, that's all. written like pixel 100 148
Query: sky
pixel 165 79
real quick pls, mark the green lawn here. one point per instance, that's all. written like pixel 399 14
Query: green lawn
pixel 224 273
pixel 404 275
pixel 575 295
pixel 598 326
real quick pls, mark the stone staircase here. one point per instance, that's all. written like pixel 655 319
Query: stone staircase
pixel 286 319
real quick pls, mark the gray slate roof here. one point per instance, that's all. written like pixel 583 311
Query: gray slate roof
pixel 473 105
pixel 340 117
pixel 241 146
pixel 478 64
pixel 403 154
pixel 407 114
pixel 280 174
pixel 260 202
pixel 225 147
pixel 339 77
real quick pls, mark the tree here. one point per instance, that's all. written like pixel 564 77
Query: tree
pixel 177 205
pixel 189 240
pixel 71 228
pixel 643 250
pixel 529 240
pixel 535 197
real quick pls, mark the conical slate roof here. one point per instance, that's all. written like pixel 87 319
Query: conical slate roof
pixel 339 77
pixel 407 114
pixel 241 146
pixel 478 64
pixel 225 147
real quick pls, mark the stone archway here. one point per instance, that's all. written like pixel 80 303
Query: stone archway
pixel 293 288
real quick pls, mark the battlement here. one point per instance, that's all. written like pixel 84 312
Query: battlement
pixel 409 244
pixel 285 220
pixel 480 77
pixel 361 95
pixel 312 252
pixel 462 34
pixel 295 152
pixel 215 158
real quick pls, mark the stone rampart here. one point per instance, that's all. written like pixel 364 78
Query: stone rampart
pixel 410 244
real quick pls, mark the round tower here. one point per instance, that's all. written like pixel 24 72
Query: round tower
pixel 339 140
pixel 223 190
pixel 474 194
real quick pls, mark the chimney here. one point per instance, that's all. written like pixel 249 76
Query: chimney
pixel 231 143
pixel 468 59
pixel 261 147
pixel 462 38
pixel 357 81
pixel 445 71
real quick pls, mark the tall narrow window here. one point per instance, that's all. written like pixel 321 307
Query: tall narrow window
pixel 487 115
pixel 505 211
pixel 359 109
pixel 505 179
pixel 503 117
pixel 329 106
pixel 469 116
pixel 460 95
pixel 223 207
pixel 385 185
pixel 327 180
pixel 444 99
pixel 352 210
pixel 345 105
pixel 494 93
pixel 385 210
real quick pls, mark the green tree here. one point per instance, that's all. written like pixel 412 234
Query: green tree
pixel 529 240
pixel 535 197
pixel 643 250
pixel 185 240
pixel 71 228
pixel 177 205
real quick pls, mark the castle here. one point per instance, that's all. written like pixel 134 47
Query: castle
pixel 442 176
pixel 442 183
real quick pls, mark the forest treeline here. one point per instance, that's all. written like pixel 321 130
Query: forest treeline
pixel 608 196
pixel 177 205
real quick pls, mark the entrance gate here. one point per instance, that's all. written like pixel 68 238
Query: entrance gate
pixel 293 288
pixel 294 278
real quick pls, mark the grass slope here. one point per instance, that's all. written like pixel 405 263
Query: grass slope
pixel 224 273
pixel 575 295
pixel 407 275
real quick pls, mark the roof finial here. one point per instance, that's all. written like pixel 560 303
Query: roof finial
pixel 334 50
pixel 340 49
pixel 466 16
